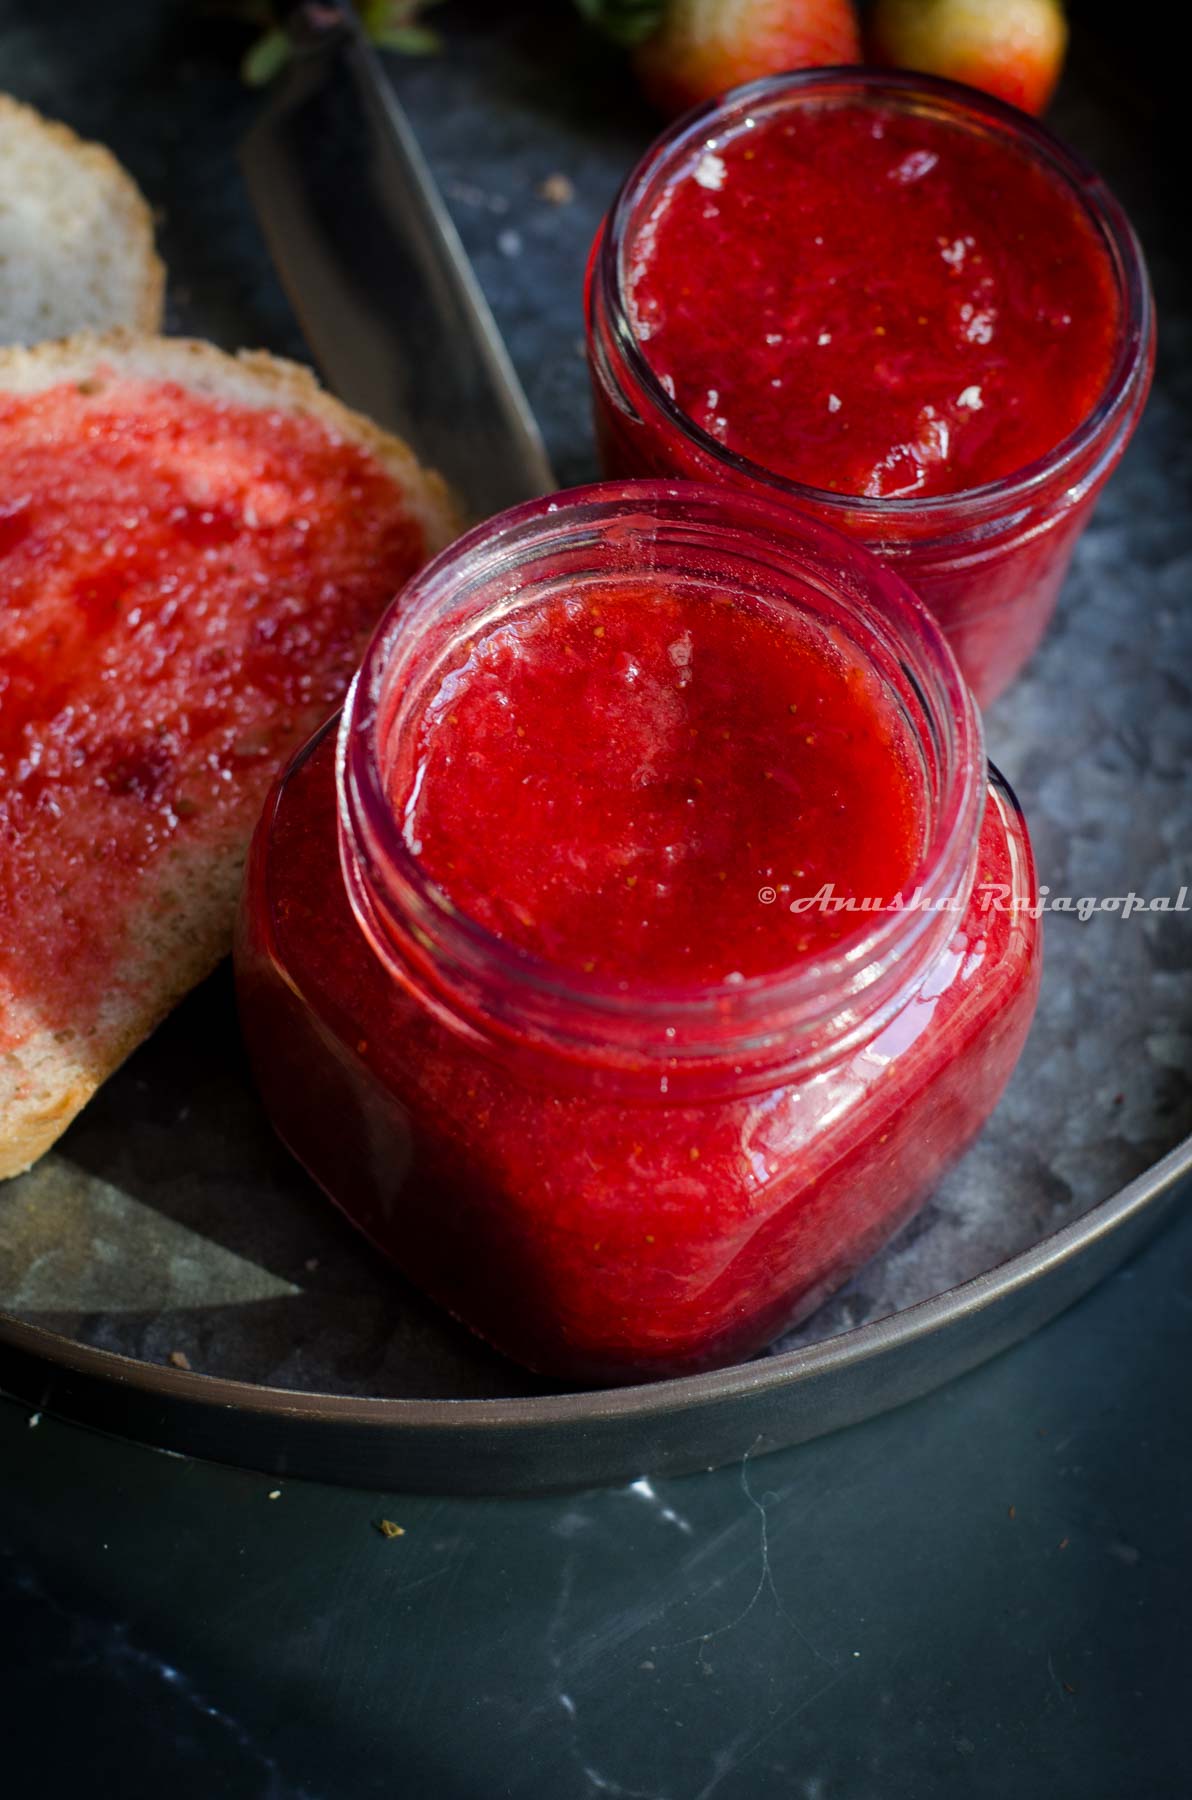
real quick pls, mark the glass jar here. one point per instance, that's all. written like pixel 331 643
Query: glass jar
pixel 607 1181
pixel 989 560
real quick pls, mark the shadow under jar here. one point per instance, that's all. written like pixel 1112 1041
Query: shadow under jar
pixel 545 959
pixel 894 303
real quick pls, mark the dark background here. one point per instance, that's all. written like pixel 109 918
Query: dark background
pixel 983 1594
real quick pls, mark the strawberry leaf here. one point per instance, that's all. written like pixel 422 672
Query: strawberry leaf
pixel 627 22
pixel 410 40
pixel 262 60
pixel 388 21
pixel 390 24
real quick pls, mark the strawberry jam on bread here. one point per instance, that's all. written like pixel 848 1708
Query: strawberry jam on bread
pixel 193 550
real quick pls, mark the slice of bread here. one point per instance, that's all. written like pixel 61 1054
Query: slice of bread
pixel 76 235
pixel 194 548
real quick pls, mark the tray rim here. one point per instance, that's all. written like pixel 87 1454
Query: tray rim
pixel 765 1375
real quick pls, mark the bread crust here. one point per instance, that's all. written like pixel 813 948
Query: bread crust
pixel 128 203
pixel 182 929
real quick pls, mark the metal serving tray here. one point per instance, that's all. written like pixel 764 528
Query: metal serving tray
pixel 169 1228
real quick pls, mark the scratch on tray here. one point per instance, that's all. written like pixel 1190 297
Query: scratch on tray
pixel 598 1782
pixel 452 1568
pixel 765 1580
pixel 723 1763
pixel 786 1716
pixel 602 1785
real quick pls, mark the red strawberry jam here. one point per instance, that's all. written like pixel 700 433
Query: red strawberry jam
pixel 185 588
pixel 566 1027
pixel 897 304
pixel 641 805
pixel 873 301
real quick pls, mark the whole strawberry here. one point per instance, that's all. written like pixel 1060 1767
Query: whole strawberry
pixel 1011 48
pixel 702 47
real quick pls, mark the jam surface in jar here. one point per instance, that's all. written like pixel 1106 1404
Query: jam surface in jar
pixel 874 301
pixel 894 304
pixel 610 781
pixel 526 977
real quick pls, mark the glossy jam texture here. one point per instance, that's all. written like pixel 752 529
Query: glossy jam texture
pixel 611 779
pixel 185 589
pixel 874 301
pixel 595 1237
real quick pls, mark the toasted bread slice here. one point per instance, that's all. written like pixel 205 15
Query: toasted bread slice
pixel 76 236
pixel 194 548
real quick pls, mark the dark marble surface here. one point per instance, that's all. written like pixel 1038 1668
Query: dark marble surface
pixel 981 1595
pixel 168 1219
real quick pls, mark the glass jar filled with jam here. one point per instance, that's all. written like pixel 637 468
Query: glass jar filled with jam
pixel 648 935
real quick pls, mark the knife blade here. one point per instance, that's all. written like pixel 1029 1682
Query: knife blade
pixel 375 271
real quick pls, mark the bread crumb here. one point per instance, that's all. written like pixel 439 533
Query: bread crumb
pixel 388 1529
pixel 557 189
pixel 275 1494
pixel 178 1359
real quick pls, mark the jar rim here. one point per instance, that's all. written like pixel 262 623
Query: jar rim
pixel 949 99
pixel 395 898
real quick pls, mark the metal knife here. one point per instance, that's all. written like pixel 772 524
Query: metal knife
pixel 375 270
